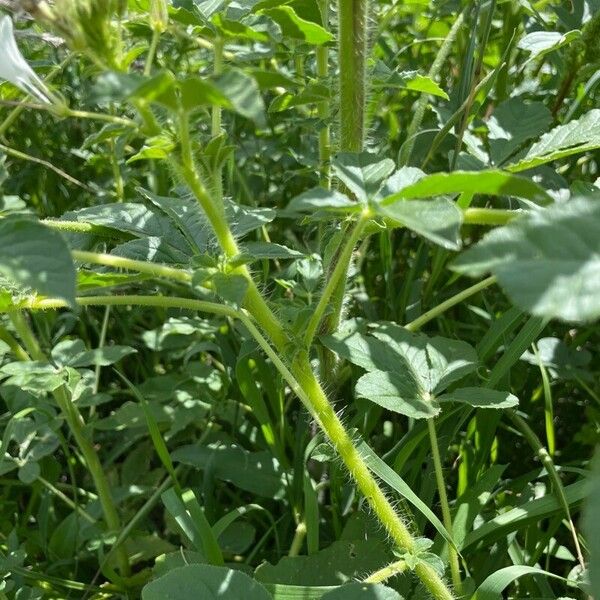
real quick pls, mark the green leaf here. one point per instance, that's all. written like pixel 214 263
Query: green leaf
pixel 362 591
pixel 437 220
pixel 339 563
pixel 493 183
pixel 361 173
pixel 33 376
pixel 35 257
pixel 591 523
pixel 407 370
pixel 186 218
pixel 114 87
pixel 206 582
pixel 521 516
pixel 384 77
pixel 244 219
pixel 317 202
pixel 262 474
pixel 107 355
pixel 238 30
pixel 398 392
pixel 575 137
pixel 243 94
pixel 496 583
pixel 230 287
pixel 196 92
pixel 294 27
pixel 512 123
pixel 480 398
pixel 539 43
pixel 266 250
pixel 311 94
pixel 548 262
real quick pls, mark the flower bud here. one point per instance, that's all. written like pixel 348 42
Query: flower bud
pixel 159 15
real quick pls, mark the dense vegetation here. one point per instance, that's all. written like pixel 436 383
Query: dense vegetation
pixel 299 299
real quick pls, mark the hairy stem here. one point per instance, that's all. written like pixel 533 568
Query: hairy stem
pixel 152 51
pixel 216 113
pixel 331 425
pixel 305 385
pixel 337 278
pixel 322 53
pixel 352 57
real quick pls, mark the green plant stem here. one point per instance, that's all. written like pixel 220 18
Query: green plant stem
pixel 215 213
pixel 489 216
pixel 118 262
pixel 441 308
pixel 70 503
pixel 156 33
pixel 336 432
pixel 446 515
pixel 337 278
pixel 421 105
pixel 93 116
pixel 352 55
pixel 77 426
pixel 216 114
pixel 12 343
pixel 298 539
pixel 382 575
pixel 44 163
pixel 546 460
pixel 322 54
pixel 304 384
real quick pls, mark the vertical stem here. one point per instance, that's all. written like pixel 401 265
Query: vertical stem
pixel 313 396
pixel 216 116
pixel 77 426
pixel 446 516
pixel 352 54
pixel 323 108
pixel 152 51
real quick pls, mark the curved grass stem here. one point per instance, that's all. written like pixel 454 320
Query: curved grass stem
pixel 446 515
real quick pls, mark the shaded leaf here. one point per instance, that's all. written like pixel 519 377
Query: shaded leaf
pixel 548 262
pixel 512 123
pixel 362 591
pixel 206 582
pixel 480 398
pixel 361 173
pixel 437 220
pixel 339 563
pixel 398 392
pixel 35 257
pixel 256 472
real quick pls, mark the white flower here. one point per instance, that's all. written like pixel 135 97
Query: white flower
pixel 14 68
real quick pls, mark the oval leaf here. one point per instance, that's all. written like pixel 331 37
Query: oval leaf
pixel 35 257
